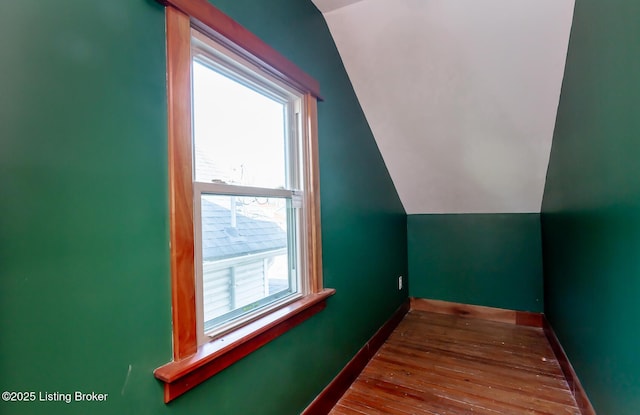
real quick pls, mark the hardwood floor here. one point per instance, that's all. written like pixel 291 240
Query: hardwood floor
pixel 445 364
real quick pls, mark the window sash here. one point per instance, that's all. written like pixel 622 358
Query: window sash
pixel 235 190
pixel 225 61
pixel 220 59
pixel 296 267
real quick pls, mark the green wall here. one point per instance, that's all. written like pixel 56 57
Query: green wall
pixel 591 208
pixel 84 264
pixel 492 260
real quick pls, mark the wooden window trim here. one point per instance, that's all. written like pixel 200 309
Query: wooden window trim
pixel 181 376
pixel 191 364
pixel 221 27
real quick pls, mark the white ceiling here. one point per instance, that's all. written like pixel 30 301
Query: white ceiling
pixel 461 95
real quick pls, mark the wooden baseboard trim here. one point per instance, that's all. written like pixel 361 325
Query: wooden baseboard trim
pixel 570 375
pixel 327 399
pixel 521 318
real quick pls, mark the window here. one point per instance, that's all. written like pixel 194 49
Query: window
pixel 248 192
pixel 245 231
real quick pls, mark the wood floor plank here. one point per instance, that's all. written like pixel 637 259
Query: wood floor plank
pixel 463 372
pixel 548 375
pixel 481 395
pixel 452 365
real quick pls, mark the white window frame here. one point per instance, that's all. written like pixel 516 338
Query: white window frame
pixel 219 58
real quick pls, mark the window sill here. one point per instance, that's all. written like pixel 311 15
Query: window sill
pixel 213 357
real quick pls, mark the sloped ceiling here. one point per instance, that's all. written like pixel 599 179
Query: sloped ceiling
pixel 461 95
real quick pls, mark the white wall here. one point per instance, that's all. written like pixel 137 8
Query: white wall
pixel 461 95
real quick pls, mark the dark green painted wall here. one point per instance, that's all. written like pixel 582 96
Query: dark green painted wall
pixel 492 260
pixel 591 208
pixel 84 265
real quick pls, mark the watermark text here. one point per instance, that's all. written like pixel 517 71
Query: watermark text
pixel 47 396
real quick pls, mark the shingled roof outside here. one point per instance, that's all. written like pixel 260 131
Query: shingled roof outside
pixel 220 240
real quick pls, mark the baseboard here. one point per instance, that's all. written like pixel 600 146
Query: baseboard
pixel 327 399
pixel 521 318
pixel 570 375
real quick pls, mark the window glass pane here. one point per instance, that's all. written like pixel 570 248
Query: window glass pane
pixel 245 252
pixel 239 133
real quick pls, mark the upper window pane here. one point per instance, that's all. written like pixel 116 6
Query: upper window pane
pixel 239 132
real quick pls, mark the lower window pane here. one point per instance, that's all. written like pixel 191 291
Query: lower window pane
pixel 246 255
